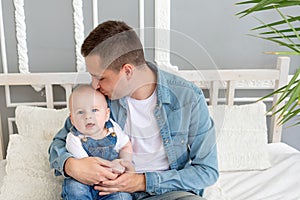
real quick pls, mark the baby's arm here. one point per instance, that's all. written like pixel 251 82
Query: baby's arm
pixel 124 148
pixel 74 146
pixel 125 155
pixel 126 152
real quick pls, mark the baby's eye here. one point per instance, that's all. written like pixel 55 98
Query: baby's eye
pixel 80 112
pixel 95 110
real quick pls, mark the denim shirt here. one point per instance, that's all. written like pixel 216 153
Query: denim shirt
pixel 187 132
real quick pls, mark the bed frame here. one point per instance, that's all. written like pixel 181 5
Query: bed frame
pixel 212 80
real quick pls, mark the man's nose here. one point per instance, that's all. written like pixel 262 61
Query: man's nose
pixel 96 84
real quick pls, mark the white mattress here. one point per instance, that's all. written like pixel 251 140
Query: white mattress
pixel 281 181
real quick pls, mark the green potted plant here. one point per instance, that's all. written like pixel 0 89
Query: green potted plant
pixel 285 32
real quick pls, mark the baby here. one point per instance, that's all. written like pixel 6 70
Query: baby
pixel 94 134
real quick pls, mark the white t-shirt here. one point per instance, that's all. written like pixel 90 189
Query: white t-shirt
pixel 141 127
pixel 74 146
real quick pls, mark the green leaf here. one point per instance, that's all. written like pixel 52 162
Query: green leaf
pixel 266 5
pixel 285 33
pixel 289 23
pixel 283 53
pixel 279 42
pixel 280 30
pixel 290 19
pixel 286 111
pixel 280 90
pixel 289 116
pixel 290 43
pixel 292 82
pixel 286 36
pixel 247 2
pixel 293 96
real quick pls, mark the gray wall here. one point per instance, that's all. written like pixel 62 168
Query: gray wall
pixel 204 35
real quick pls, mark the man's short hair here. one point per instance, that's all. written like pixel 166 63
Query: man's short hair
pixel 116 43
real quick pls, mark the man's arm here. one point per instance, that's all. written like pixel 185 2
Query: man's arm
pixel 89 170
pixel 200 173
pixel 58 153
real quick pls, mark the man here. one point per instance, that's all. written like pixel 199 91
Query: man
pixel 165 116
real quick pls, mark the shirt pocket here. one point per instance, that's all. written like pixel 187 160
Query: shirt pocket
pixel 180 144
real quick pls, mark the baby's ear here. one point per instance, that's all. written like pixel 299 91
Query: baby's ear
pixel 71 119
pixel 107 114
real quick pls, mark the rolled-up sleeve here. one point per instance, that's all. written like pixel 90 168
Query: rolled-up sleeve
pixel 201 168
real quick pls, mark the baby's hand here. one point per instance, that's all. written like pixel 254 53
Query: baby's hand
pixel 129 167
pixel 117 167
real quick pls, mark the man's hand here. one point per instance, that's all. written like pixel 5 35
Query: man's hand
pixel 118 168
pixel 90 170
pixel 127 182
pixel 121 165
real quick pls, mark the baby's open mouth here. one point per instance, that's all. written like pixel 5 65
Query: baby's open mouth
pixel 89 125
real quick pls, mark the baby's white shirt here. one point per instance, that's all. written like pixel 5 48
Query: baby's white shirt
pixel 74 145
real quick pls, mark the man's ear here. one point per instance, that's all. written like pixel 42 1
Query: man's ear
pixel 128 70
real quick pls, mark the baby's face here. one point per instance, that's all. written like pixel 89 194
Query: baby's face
pixel 89 113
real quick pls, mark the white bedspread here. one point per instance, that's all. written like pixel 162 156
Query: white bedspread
pixel 280 182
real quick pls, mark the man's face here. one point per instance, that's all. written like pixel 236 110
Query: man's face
pixel 109 82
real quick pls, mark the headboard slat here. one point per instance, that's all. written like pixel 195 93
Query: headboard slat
pixel 283 64
pixel 230 92
pixel 49 96
pixel 68 91
pixel 214 93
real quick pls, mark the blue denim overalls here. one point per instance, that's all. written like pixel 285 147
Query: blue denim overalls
pixel 103 148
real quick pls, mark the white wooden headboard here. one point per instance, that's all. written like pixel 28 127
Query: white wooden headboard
pixel 213 80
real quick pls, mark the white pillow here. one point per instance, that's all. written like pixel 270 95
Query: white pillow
pixel 47 121
pixel 241 136
pixel 28 173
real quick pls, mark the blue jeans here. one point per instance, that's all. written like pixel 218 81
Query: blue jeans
pixel 175 195
pixel 74 190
